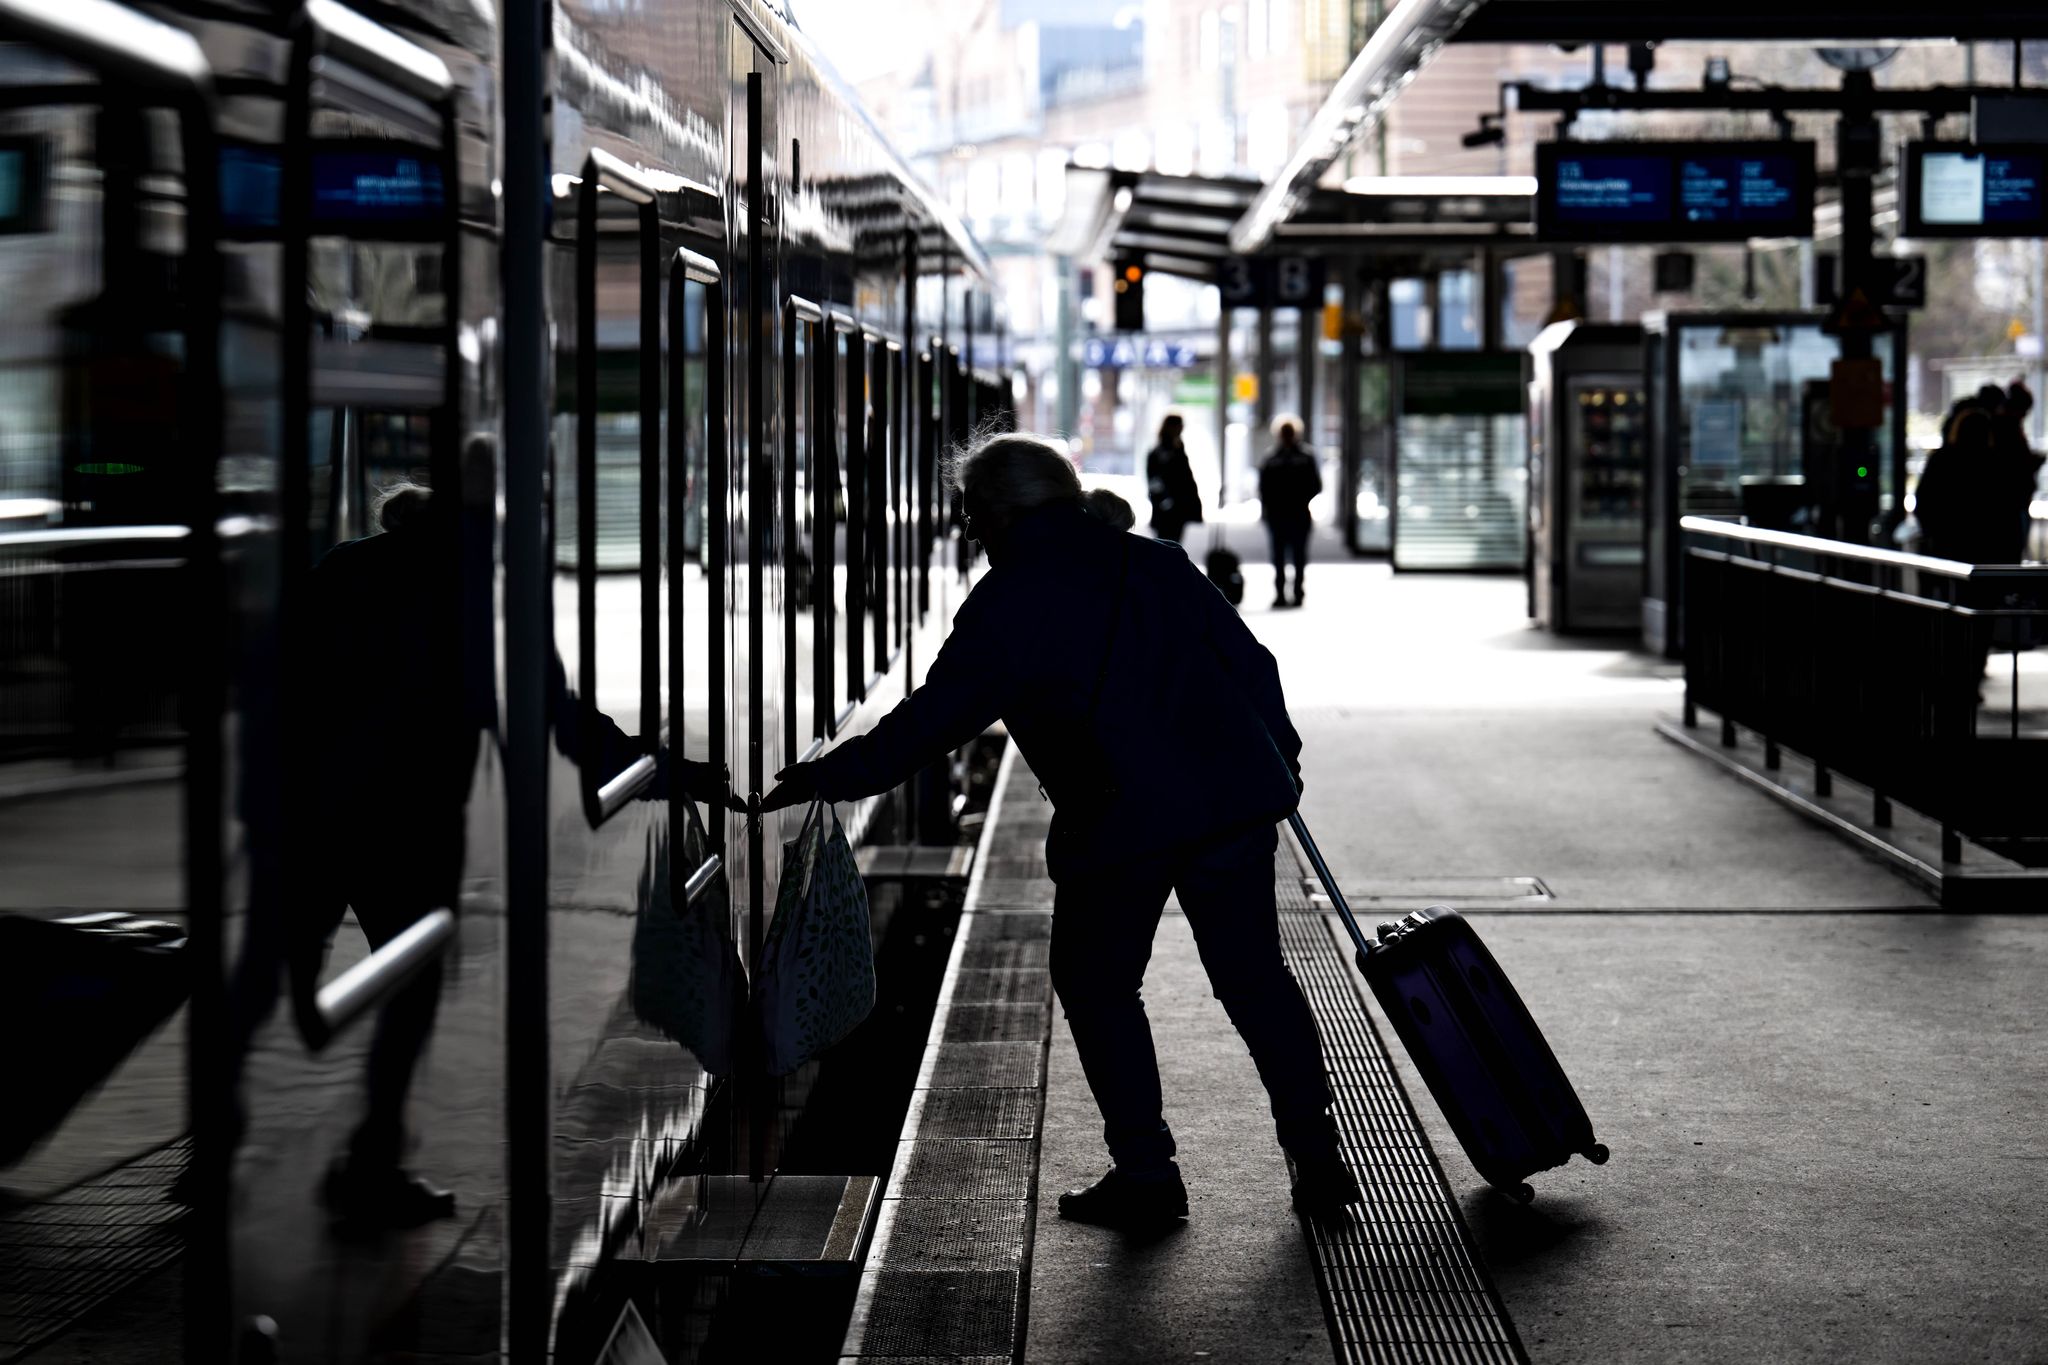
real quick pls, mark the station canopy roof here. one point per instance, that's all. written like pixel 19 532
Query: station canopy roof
pixel 1180 224
pixel 1412 34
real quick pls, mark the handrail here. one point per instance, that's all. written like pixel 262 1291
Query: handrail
pixel 1842 549
pixel 602 170
pixel 700 880
pixel 629 783
pixel 378 976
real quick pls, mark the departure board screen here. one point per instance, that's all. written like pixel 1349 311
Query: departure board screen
pixel 1673 191
pixel 1959 189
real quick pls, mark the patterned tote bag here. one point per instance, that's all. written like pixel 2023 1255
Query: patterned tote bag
pixel 817 974
pixel 688 981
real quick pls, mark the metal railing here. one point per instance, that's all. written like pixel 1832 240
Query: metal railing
pixel 1872 663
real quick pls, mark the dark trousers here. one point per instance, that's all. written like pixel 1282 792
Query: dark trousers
pixel 388 893
pixel 1290 543
pixel 1102 939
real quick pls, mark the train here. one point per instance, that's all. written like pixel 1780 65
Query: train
pixel 451 455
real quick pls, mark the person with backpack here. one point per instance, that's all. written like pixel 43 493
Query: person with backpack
pixel 1288 481
pixel 1161 733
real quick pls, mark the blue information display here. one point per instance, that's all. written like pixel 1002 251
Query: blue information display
pixel 354 188
pixel 1673 191
pixel 375 187
pixel 1959 189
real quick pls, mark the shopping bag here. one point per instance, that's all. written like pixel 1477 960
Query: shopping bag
pixel 688 981
pixel 817 973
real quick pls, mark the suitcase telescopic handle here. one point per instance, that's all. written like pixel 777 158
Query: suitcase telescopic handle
pixel 1322 871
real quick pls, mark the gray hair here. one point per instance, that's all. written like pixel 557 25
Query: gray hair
pixel 1011 474
pixel 400 504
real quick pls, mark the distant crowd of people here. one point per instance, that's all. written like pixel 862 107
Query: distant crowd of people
pixel 1974 497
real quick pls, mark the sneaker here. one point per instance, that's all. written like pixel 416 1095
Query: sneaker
pixel 1279 600
pixel 1128 1201
pixel 386 1197
pixel 1323 1186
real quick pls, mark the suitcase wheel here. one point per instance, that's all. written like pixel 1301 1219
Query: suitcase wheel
pixel 1597 1154
pixel 1524 1193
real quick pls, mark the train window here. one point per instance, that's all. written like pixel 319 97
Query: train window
pixel 834 529
pixel 854 406
pixel 926 404
pixel 875 537
pixel 900 446
pixel 695 488
pixel 803 327
pixel 609 506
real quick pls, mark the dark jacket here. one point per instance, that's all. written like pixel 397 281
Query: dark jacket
pixel 1170 484
pixel 1288 479
pixel 1191 712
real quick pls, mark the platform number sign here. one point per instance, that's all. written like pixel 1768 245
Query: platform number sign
pixel 1271 282
pixel 1895 281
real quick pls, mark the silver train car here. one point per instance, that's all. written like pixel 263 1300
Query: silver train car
pixel 450 453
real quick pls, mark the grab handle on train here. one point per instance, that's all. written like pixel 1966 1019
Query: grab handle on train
pixel 376 978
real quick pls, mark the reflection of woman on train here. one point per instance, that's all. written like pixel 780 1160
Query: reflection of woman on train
pixel 396 745
pixel 395 752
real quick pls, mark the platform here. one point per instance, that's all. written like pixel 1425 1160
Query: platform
pixel 1822 1091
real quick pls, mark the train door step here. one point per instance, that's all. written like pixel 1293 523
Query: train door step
pixel 915 862
pixel 787 1224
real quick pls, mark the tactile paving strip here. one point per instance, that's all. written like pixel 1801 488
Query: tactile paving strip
pixel 1400 1279
pixel 62 1257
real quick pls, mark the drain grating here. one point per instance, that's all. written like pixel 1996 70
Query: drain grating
pixel 973 1312
pixel 951 1168
pixel 65 1256
pixel 1002 1065
pixel 1400 1279
pixel 956 1234
pixel 983 1023
pixel 980 1114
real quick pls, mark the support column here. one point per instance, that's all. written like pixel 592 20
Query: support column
pixel 1264 372
pixel 1348 435
pixel 1223 377
pixel 1308 350
pixel 1064 364
pixel 1858 154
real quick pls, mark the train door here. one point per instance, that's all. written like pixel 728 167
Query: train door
pixel 111 695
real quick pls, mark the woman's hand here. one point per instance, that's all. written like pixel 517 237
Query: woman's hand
pixel 796 785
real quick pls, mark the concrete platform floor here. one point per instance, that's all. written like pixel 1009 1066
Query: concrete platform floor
pixel 1826 1124
pixel 1233 1283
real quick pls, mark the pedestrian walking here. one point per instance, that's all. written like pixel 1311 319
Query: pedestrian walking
pixel 1170 483
pixel 1157 724
pixel 1288 480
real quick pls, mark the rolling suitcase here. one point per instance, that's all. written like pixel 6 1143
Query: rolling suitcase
pixel 1472 1039
pixel 1224 568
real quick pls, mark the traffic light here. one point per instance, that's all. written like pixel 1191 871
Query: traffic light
pixel 1128 280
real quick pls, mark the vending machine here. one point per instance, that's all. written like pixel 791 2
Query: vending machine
pixel 1588 443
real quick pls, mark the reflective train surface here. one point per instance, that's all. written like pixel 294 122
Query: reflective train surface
pixel 415 544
